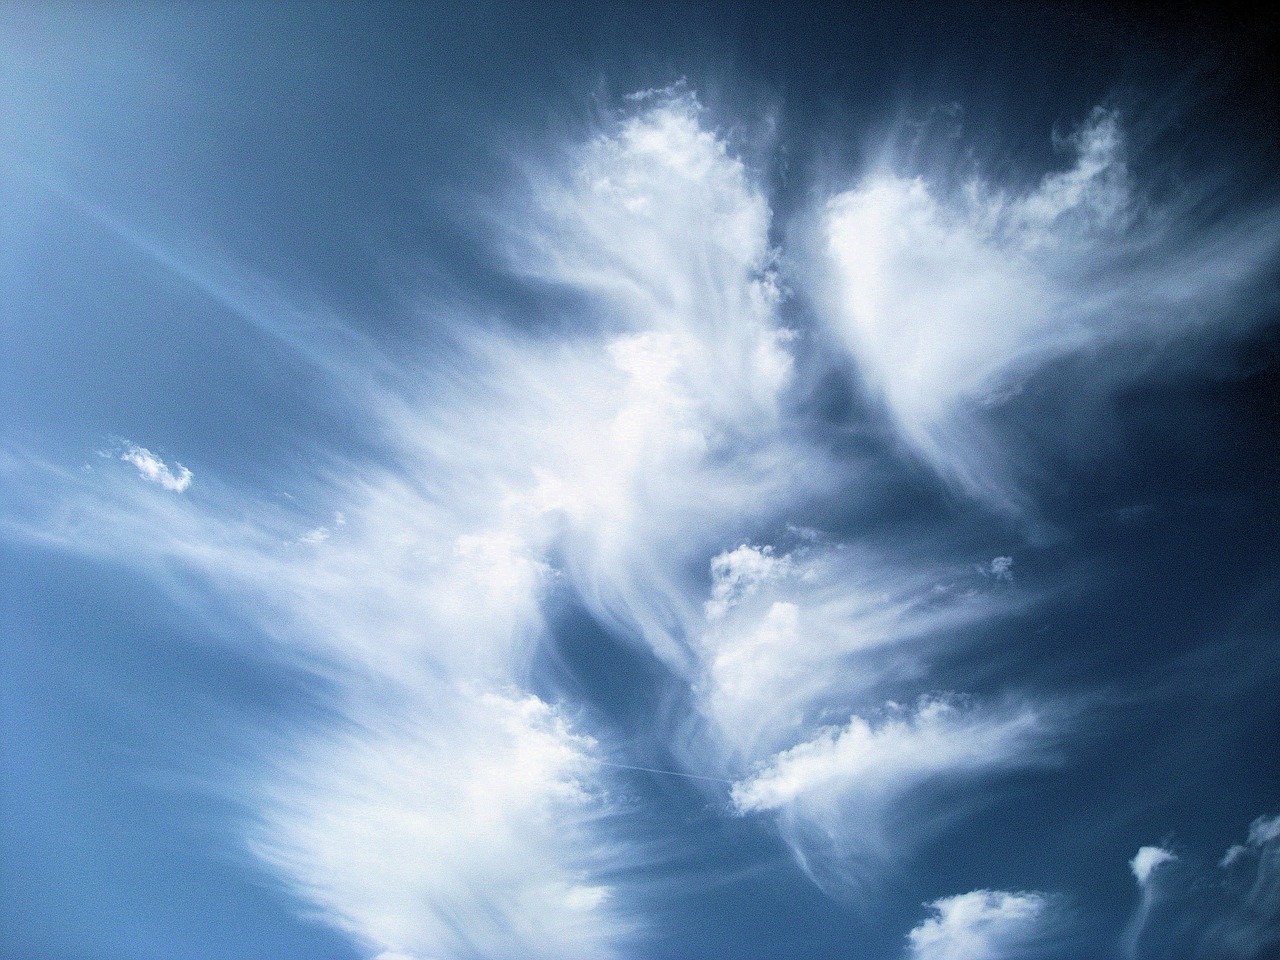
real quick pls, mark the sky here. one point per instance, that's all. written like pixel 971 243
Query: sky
pixel 639 482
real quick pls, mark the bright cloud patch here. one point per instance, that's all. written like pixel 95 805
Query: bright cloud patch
pixel 862 760
pixel 736 574
pixel 467 835
pixel 950 295
pixel 836 793
pixel 152 468
pixel 982 925
pixel 1147 860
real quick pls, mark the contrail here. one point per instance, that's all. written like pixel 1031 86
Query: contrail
pixel 669 773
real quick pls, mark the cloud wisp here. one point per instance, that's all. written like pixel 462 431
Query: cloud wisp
pixel 1231 910
pixel 152 468
pixel 949 296
pixel 652 460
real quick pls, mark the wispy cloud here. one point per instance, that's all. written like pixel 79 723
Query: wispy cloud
pixel 655 441
pixel 1262 832
pixel 1146 867
pixel 1231 910
pixel 835 793
pixel 950 295
pixel 467 832
pixel 443 808
pixel 150 467
pixel 655 459
pixel 1147 860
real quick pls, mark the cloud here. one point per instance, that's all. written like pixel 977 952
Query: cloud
pixel 790 638
pixel 644 458
pixel 316 536
pixel 634 459
pixel 1247 924
pixel 936 736
pixel 469 835
pixel 1232 912
pixel 1262 832
pixel 152 468
pixel 737 574
pixel 1147 860
pixel 425 615
pixel 949 296
pixel 981 925
pixel 834 793
pixel 442 810
pixel 1001 568
pixel 1148 866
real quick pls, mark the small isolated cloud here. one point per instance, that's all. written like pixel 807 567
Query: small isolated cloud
pixel 150 467
pixel 1264 830
pixel 1001 568
pixel 319 535
pixel 1144 865
pixel 981 925
pixel 1147 860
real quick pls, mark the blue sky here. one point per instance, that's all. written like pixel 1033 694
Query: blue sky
pixel 616 482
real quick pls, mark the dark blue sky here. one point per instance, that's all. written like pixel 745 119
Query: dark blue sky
pixel 643 482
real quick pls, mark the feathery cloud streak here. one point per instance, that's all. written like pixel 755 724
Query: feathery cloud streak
pixel 949 296
pixel 648 460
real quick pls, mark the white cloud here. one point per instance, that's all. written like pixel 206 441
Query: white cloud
pixel 1147 860
pixel 981 925
pixel 787 638
pixel 150 467
pixel 1233 854
pixel 1231 913
pixel 869 760
pixel 446 811
pixel 680 440
pixel 949 296
pixel 468 835
pixel 1264 830
pixel 737 574
pixel 637 451
pixel 611 443
pixel 1146 863
pixel 838 796
pixel 443 811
